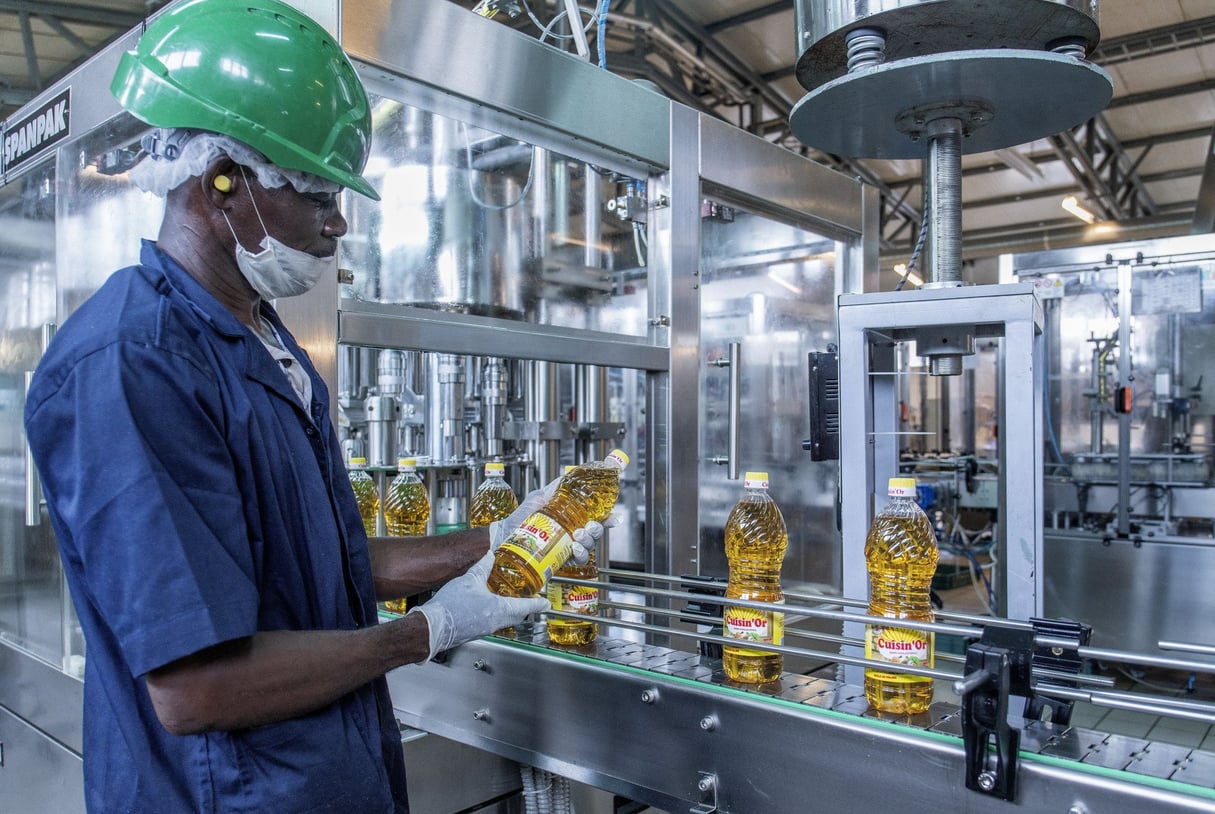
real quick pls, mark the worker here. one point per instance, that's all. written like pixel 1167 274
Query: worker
pixel 212 544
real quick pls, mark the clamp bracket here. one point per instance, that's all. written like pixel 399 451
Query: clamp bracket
pixel 998 699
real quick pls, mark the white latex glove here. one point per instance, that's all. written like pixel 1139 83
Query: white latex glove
pixel 588 537
pixel 532 502
pixel 465 609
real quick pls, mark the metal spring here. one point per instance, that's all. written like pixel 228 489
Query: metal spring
pixel 1072 47
pixel 866 48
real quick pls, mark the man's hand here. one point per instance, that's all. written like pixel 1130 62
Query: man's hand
pixel 532 502
pixel 466 609
pixel 585 539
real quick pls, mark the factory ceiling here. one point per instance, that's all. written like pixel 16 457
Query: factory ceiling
pixel 1139 165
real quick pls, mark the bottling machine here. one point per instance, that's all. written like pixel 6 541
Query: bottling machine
pixel 565 261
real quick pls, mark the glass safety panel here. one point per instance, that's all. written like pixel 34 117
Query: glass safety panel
pixel 102 216
pixel 769 287
pixel 480 223
pixel 31 582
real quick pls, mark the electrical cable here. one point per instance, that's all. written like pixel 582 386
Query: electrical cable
pixel 602 37
pixel 546 31
pixel 638 238
pixel 919 241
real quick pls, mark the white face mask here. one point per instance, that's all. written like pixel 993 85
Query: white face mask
pixel 279 270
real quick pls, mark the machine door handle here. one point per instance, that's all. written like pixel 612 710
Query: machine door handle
pixel 734 456
pixel 33 485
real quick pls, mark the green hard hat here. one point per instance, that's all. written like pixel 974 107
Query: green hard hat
pixel 260 72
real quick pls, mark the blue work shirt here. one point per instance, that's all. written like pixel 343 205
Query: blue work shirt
pixel 195 501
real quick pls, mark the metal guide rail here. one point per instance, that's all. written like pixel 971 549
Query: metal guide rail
pixel 665 726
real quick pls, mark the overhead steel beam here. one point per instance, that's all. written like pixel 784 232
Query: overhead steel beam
pixel 31 53
pixel 62 30
pixel 15 97
pixel 1104 171
pixel 748 16
pixel 1204 209
pixel 1163 40
pixel 1160 94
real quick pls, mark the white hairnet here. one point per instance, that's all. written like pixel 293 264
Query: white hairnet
pixel 174 155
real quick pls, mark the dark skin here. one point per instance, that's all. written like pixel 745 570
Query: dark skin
pixel 275 675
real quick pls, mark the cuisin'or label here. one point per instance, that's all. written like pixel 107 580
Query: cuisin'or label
pixel 573 598
pixel 898 645
pixel 760 627
pixel 542 543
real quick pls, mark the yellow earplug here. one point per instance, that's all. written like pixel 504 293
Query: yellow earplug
pixel 223 183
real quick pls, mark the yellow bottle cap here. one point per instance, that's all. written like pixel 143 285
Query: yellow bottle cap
pixel 901 487
pixel 407 463
pixel 755 480
pixel 619 456
pixel 358 462
pixel 494 467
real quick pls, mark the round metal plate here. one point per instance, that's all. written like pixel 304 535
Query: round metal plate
pixel 1032 94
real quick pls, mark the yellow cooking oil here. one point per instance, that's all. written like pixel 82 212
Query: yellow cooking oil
pixel 756 539
pixel 901 554
pixel 526 559
pixel 366 495
pixel 406 511
pixel 493 499
pixel 579 599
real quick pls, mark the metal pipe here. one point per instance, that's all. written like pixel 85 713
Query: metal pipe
pixel 790 610
pixel 1124 380
pixel 1103 654
pixel 943 177
pixel 971 631
pixel 445 407
pixel 1097 411
pixel 493 406
pixel 1152 706
pixel 1187 647
pixel 540 408
pixel 775 648
pixel 33 484
pixel 592 195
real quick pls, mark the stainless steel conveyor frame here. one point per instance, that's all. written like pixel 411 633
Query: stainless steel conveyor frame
pixel 665 727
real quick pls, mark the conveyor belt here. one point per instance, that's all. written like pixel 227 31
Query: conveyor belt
pixel 664 727
pixel 1155 759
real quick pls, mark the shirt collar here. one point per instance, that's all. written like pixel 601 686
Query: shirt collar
pixel 192 291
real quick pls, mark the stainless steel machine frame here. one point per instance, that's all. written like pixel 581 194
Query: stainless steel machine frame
pixel 684 157
pixel 870 327
pixel 1128 539
pixel 617 718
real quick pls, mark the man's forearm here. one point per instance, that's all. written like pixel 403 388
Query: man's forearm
pixel 403 566
pixel 275 675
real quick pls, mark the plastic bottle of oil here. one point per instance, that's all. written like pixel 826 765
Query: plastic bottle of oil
pixel 574 599
pixel 406 511
pixel 365 494
pixel 406 505
pixel 901 553
pixel 525 561
pixel 756 539
pixel 493 500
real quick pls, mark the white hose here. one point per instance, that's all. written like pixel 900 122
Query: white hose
pixel 529 789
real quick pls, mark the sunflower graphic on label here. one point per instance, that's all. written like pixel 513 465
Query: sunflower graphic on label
pixel 898 645
pixel 760 627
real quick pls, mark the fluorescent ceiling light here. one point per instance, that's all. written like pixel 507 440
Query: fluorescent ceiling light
pixel 1072 204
